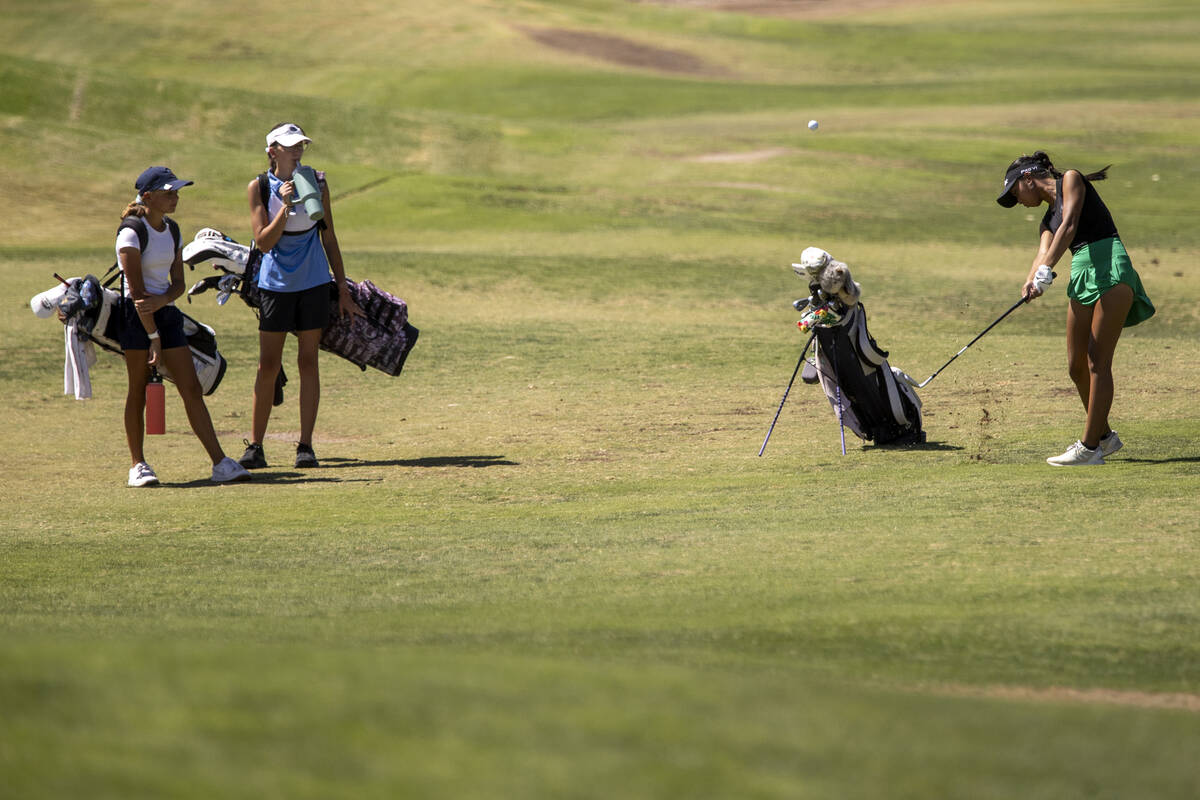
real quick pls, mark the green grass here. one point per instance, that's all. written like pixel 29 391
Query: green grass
pixel 546 561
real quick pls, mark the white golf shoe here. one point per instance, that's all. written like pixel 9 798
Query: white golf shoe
pixel 141 474
pixel 1110 444
pixel 227 470
pixel 1077 456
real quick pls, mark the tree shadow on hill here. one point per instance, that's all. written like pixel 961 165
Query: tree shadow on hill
pixel 474 462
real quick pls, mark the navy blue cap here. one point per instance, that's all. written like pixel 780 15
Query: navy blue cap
pixel 159 179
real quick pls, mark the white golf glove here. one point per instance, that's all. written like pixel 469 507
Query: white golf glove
pixel 1043 278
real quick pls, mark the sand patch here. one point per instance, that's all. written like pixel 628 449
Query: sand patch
pixel 745 157
pixel 1177 701
pixel 797 9
pixel 622 51
pixel 750 186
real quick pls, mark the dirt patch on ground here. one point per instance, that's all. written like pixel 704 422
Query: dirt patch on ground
pixel 1061 694
pixel 744 157
pixel 800 9
pixel 625 52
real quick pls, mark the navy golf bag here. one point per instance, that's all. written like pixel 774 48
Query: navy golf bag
pixel 871 398
pixel 97 313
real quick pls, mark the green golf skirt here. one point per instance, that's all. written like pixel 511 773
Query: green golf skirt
pixel 1098 267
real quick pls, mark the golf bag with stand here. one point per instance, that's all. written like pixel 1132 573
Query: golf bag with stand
pixel 95 311
pixel 870 397
pixel 382 338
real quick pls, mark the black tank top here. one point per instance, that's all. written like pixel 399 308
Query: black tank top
pixel 1095 222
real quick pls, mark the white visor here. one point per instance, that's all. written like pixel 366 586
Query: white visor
pixel 287 135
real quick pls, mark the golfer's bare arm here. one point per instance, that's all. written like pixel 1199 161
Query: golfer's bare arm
pixel 1052 246
pixel 267 231
pixel 131 265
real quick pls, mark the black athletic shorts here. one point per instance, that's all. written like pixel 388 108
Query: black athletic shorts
pixel 294 311
pixel 169 320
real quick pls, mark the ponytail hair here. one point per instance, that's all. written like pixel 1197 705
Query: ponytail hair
pixel 135 209
pixel 1039 164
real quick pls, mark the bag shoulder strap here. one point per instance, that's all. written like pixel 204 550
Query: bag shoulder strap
pixel 138 225
pixel 264 189
pixel 173 226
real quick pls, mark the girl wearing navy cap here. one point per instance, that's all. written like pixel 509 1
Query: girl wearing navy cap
pixel 1105 291
pixel 294 278
pixel 152 331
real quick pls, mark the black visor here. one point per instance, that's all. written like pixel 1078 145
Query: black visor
pixel 1007 198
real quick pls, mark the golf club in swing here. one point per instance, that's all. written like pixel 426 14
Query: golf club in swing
pixel 1043 281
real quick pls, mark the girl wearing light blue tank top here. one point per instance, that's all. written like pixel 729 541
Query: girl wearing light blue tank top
pixel 294 276
pixel 1105 291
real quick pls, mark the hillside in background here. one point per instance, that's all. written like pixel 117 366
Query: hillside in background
pixel 599 115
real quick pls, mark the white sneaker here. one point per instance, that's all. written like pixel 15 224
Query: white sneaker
pixel 227 470
pixel 1077 456
pixel 1110 444
pixel 141 474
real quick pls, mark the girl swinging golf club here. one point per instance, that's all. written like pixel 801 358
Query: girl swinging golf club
pixel 1105 291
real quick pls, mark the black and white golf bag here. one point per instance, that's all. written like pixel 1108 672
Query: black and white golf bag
pixel 382 338
pixel 871 398
pixel 96 313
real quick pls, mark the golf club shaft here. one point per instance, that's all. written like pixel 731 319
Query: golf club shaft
pixel 1015 306
pixel 795 372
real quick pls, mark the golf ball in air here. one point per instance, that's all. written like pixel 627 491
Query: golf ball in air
pixel 812 124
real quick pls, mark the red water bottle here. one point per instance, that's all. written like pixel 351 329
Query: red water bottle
pixel 156 404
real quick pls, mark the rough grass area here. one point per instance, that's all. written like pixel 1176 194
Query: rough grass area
pixel 546 561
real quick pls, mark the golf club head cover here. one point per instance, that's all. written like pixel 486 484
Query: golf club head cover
pixel 812 261
pixel 836 282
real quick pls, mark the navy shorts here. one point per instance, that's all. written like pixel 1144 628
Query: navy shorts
pixel 294 311
pixel 169 320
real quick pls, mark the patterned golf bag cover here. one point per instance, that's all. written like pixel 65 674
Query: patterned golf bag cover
pixel 876 402
pixel 97 314
pixel 382 338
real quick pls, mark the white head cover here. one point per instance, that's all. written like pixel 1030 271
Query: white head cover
pixel 287 134
pixel 812 261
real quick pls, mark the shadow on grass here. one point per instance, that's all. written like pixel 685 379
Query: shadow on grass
pixel 931 446
pixel 430 461
pixel 270 478
pixel 1180 460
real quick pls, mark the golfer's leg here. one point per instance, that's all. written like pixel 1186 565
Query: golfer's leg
pixel 1079 335
pixel 1108 320
pixel 310 381
pixel 270 356
pixel 179 362
pixel 135 403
